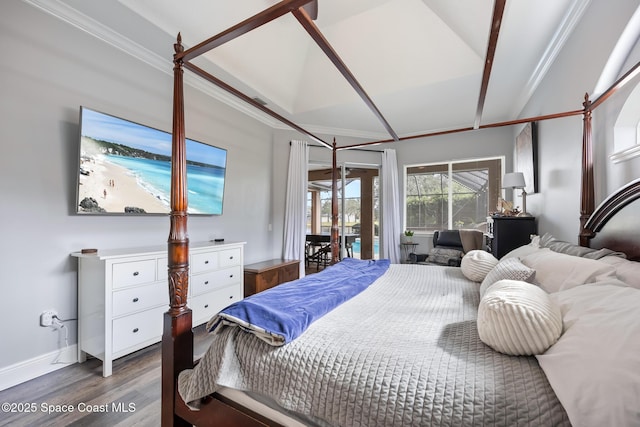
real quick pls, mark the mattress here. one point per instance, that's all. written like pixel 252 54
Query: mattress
pixel 403 352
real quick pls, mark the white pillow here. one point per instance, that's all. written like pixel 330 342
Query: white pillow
pixel 477 264
pixel 627 271
pixel 521 251
pixel 518 318
pixel 556 271
pixel 594 368
pixel 510 268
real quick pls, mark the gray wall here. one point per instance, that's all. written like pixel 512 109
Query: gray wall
pixel 575 72
pixel 47 70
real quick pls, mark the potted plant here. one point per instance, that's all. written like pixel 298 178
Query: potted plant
pixel 408 236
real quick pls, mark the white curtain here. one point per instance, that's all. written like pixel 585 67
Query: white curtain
pixel 391 226
pixel 295 217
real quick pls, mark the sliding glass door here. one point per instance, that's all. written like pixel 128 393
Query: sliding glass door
pixel 358 208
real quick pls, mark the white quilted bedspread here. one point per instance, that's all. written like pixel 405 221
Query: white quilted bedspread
pixel 405 352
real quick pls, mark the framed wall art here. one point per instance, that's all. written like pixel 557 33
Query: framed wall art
pixel 527 156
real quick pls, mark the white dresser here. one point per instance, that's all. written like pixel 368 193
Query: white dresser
pixel 123 293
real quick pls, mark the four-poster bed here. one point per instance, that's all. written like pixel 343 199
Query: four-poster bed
pixel 608 226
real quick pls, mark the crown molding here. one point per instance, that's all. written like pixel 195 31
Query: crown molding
pixel 77 19
pixel 624 155
pixel 560 37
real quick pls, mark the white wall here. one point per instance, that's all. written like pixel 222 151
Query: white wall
pixel 47 70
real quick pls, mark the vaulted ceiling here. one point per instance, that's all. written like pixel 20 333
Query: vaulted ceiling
pixel 421 62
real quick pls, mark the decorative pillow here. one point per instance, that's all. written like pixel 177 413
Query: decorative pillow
pixel 594 368
pixel 556 271
pixel 443 255
pixel 548 241
pixel 510 268
pixel 518 318
pixel 627 271
pixel 477 264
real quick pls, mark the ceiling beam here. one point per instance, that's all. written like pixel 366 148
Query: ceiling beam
pixel 496 23
pixel 311 28
pixel 249 24
pixel 216 81
pixel 628 77
pixel 467 129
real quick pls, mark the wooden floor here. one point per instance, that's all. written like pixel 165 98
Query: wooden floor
pixel 130 397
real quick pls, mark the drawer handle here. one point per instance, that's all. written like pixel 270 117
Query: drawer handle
pixel 231 276
pixel 231 257
pixel 206 262
pixel 206 306
pixel 135 330
pixel 230 296
pixel 206 282
pixel 135 273
pixel 135 299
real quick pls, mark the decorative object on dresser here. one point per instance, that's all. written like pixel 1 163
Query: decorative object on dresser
pixel 122 295
pixel 515 180
pixel 505 233
pixel 267 274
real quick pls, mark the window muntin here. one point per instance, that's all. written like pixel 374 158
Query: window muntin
pixel 451 195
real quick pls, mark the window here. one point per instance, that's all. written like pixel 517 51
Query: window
pixel 626 131
pixel 451 195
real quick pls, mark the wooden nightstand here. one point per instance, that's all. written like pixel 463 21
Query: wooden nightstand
pixel 505 233
pixel 267 274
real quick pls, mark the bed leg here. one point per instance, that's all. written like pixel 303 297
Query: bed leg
pixel 177 355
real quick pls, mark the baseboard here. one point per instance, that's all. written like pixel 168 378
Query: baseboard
pixel 41 365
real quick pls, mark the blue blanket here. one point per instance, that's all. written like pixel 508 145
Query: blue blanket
pixel 280 314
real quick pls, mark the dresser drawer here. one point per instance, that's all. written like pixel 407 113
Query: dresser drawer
pixel 205 282
pixel 137 328
pixel 204 262
pixel 230 257
pixel 134 273
pixel 139 298
pixel 204 306
pixel 162 268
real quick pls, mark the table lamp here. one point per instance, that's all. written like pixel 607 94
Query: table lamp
pixel 516 180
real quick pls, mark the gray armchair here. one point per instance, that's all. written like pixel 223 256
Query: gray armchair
pixel 448 247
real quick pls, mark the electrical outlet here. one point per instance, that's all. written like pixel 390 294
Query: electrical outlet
pixel 46 318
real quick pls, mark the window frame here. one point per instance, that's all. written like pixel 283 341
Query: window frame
pixel 449 166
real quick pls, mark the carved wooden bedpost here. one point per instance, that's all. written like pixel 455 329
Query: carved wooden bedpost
pixel 587 193
pixel 177 338
pixel 335 246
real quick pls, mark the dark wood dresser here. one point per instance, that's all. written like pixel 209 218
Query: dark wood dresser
pixel 506 233
pixel 267 274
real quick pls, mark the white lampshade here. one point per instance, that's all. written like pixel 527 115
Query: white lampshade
pixel 513 180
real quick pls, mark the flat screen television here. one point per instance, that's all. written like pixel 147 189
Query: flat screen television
pixel 125 168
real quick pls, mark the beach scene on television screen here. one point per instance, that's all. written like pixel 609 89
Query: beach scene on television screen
pixel 125 168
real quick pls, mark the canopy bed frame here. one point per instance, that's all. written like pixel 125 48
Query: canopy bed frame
pixel 609 225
